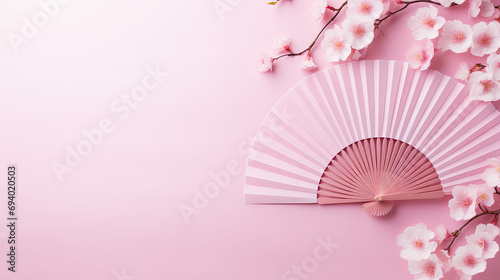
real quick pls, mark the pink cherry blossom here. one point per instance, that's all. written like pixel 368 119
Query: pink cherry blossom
pixel 445 259
pixel 492 175
pixel 456 36
pixel 308 63
pixel 337 44
pixel 358 54
pixel 318 9
pixel 441 234
pixel 361 31
pixel 281 45
pixel 416 243
pixel 485 195
pixel 264 63
pixel 463 204
pixel 483 237
pixel 463 71
pixel 485 38
pixel 468 259
pixel 420 55
pixel 429 268
pixel 483 8
pixel 366 9
pixel 493 230
pixel 425 23
pixel 493 62
pixel 483 86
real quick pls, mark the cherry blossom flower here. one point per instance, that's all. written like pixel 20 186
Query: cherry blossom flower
pixel 483 87
pixel 493 62
pixel 483 8
pixel 445 259
pixel 358 54
pixel 492 175
pixel 468 259
pixel 425 23
pixel 308 63
pixel 318 9
pixel 485 195
pixel 337 44
pixel 429 268
pixel 281 45
pixel 456 36
pixel 485 38
pixel 493 230
pixel 361 31
pixel 441 233
pixel 463 71
pixel 416 243
pixel 420 55
pixel 366 9
pixel 264 63
pixel 483 237
pixel 463 204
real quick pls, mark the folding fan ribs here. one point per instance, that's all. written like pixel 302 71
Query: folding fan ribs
pixel 371 132
pixel 379 170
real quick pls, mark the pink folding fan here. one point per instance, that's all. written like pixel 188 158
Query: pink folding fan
pixel 372 132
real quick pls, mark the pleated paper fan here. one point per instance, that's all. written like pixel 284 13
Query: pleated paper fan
pixel 371 132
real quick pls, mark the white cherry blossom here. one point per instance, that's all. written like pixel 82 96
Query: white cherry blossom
pixel 264 63
pixel 416 243
pixel 463 72
pixel 425 23
pixel 484 238
pixel 420 55
pixel 361 31
pixel 337 44
pixel 492 175
pixel 463 204
pixel 367 9
pixel 493 62
pixel 456 36
pixel 485 38
pixel 483 86
pixel 429 269
pixel 308 64
pixel 281 45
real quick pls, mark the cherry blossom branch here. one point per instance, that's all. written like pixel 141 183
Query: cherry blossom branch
pixel 496 191
pixel 456 233
pixel 337 12
pixel 480 207
pixel 309 48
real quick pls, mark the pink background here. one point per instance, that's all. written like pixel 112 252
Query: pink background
pixel 117 213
